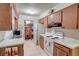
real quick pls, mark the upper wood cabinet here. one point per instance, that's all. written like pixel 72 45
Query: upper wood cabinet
pixel 70 15
pixel 46 21
pixel 55 17
pixel 41 21
pixel 5 17
pixel 50 19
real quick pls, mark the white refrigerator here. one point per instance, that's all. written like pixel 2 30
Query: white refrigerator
pixel 38 29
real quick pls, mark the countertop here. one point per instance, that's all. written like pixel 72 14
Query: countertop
pixel 11 42
pixel 66 41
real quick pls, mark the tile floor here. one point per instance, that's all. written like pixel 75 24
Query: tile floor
pixel 30 49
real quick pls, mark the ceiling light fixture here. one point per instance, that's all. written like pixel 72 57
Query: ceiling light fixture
pixel 31 11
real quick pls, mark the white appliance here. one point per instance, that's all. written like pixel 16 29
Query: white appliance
pixel 48 45
pixel 38 29
pixel 50 39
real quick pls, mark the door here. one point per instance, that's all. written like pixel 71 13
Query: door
pixel 28 29
pixel 41 42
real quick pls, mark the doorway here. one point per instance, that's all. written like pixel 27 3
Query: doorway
pixel 28 25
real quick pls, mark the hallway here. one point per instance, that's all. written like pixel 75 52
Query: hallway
pixel 30 49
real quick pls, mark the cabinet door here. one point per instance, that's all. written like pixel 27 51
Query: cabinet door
pixel 5 16
pixel 45 21
pixel 41 42
pixel 2 51
pixel 50 19
pixel 41 21
pixel 70 17
pixel 55 17
pixel 59 52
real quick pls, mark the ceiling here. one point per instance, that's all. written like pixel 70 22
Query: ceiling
pixel 34 9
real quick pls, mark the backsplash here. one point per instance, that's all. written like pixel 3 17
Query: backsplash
pixel 73 33
pixel 2 33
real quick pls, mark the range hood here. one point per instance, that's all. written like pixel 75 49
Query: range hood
pixel 54 25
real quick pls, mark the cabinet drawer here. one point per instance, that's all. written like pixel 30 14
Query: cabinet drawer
pixel 62 47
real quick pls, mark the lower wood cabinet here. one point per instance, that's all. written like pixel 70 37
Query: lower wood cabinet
pixel 41 42
pixel 16 50
pixel 60 50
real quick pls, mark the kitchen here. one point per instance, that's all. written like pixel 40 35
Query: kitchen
pixel 54 28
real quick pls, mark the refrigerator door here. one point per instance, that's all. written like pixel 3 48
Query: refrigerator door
pixel 38 29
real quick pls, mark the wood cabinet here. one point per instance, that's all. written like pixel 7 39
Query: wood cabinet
pixel 5 17
pixel 41 42
pixel 16 50
pixel 70 15
pixel 55 17
pixel 41 21
pixel 46 21
pixel 60 50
